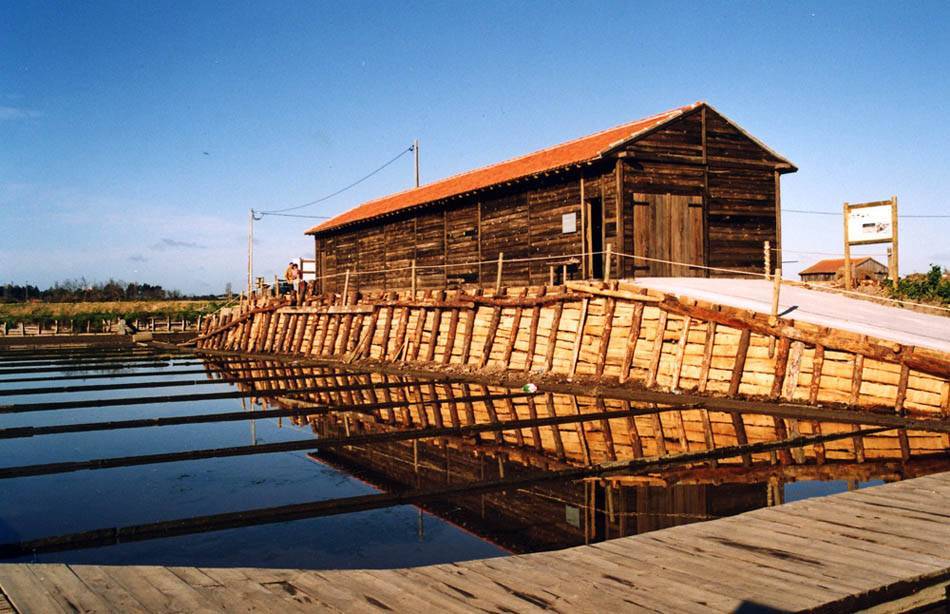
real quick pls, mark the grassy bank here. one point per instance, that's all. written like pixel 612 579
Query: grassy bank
pixel 30 313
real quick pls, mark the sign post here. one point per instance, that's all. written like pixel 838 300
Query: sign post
pixel 869 224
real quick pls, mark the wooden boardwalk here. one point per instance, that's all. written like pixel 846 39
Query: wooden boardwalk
pixel 837 553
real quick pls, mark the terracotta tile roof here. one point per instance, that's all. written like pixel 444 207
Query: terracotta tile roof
pixel 572 152
pixel 832 265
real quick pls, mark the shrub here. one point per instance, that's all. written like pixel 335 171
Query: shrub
pixel 932 286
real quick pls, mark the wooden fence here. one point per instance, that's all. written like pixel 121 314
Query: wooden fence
pixel 99 326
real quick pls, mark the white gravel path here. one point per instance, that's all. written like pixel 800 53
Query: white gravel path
pixel 823 308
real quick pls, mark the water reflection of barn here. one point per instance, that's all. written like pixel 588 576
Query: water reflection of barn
pixel 557 514
pixel 688 185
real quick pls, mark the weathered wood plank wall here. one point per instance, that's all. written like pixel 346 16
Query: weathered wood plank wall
pixel 730 179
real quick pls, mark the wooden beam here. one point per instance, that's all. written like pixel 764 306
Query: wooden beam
pixel 657 353
pixel 739 364
pixel 632 337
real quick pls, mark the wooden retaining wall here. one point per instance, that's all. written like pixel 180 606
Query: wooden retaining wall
pixel 591 332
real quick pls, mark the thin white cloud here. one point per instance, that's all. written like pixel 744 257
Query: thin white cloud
pixel 166 243
pixel 15 113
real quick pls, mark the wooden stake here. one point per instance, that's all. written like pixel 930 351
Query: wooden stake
pixel 767 259
pixel 515 329
pixel 608 257
pixel 776 289
pixel 680 353
pixel 552 336
pixel 632 339
pixel 346 288
pixel 893 269
pixel 847 252
pixel 450 339
pixel 501 262
pixel 707 356
pixel 413 282
pixel 739 365
pixel 605 335
pixel 579 337
pixel 657 352
pixel 533 332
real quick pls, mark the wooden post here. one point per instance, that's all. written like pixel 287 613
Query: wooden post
pixel 501 263
pixel 276 286
pixel 776 288
pixel 767 259
pixel 893 270
pixel 346 288
pixel 551 275
pixel 413 281
pixel 847 252
pixel 607 258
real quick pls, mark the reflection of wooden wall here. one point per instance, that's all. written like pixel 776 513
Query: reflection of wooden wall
pixel 616 335
pixel 533 518
pixel 655 434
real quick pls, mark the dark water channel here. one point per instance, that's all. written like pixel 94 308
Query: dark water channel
pixel 459 528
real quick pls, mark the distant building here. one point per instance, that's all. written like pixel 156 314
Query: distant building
pixel 829 270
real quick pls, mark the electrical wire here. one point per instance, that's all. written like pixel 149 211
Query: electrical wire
pixel 838 213
pixel 341 190
pixel 311 217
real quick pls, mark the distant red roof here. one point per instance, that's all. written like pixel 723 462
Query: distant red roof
pixel 833 264
pixel 572 152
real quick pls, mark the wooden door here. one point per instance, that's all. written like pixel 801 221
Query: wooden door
pixel 668 228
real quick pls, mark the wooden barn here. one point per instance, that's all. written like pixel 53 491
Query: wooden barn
pixel 685 186
pixel 832 268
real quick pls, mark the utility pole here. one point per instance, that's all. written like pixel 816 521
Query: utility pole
pixel 415 150
pixel 250 253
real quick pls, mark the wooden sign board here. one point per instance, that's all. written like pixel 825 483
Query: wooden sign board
pixel 870 224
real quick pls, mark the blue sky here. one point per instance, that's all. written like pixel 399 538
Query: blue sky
pixel 134 137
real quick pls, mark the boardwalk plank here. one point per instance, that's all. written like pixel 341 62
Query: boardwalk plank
pixel 394 580
pixel 68 589
pixel 708 575
pixel 831 534
pixel 647 574
pixel 478 591
pixel 240 589
pixel 165 588
pixel 27 592
pixel 910 540
pixel 795 571
pixel 638 587
pixel 332 591
pixel 111 591
pixel 859 570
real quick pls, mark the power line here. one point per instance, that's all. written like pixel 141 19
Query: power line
pixel 341 190
pixel 312 217
pixel 838 213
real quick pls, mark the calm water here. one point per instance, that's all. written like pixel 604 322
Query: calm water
pixel 34 507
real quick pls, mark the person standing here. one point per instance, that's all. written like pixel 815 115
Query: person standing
pixel 292 275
